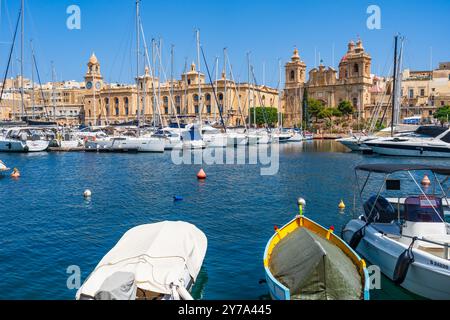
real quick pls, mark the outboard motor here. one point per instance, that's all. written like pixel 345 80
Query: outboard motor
pixel 378 209
pixel 403 263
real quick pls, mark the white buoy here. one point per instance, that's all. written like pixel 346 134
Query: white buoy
pixel 87 193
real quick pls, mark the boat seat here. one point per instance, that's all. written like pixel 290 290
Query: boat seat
pixel 435 249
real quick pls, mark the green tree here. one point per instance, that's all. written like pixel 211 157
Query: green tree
pixel 315 107
pixel 346 108
pixel 443 114
pixel 329 113
pixel 265 114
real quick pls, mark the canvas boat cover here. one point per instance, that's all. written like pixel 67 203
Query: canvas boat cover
pixel 150 257
pixel 314 269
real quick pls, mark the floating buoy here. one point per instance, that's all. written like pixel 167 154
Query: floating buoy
pixel 177 198
pixel 87 193
pixel 426 181
pixel 201 175
pixel 342 205
pixel 16 173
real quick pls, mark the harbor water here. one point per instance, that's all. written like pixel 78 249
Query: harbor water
pixel 46 225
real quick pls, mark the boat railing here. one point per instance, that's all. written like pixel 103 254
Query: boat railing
pixel 445 246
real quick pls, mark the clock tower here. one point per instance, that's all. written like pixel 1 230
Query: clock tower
pixel 93 77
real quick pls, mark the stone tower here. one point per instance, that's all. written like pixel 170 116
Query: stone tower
pixel 355 66
pixel 93 77
pixel 295 71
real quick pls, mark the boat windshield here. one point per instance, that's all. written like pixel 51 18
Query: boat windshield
pixel 446 138
pixel 424 209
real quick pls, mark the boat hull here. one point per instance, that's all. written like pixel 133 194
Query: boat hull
pixel 410 150
pixel 13 146
pixel 280 292
pixel 428 276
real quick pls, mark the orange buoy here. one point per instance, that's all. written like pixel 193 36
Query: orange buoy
pixel 426 181
pixel 201 175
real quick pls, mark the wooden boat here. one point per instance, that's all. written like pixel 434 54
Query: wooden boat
pixel 305 261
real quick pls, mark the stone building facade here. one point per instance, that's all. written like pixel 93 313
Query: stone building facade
pixel 352 82
pixel 161 101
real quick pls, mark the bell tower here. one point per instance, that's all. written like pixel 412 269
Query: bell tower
pixel 295 71
pixel 93 77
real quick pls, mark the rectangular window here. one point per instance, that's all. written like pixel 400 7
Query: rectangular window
pixel 411 93
pixel 196 109
pixel 166 110
pixel 422 92
pixel 442 103
pixel 430 113
pixel 208 109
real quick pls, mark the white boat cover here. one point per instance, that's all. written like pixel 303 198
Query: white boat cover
pixel 156 254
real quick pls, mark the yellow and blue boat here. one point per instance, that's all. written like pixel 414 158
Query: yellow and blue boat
pixel 305 261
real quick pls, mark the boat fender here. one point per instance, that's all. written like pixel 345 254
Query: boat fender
pixel 357 237
pixel 403 263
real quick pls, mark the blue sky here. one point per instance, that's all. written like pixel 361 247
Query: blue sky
pixel 269 29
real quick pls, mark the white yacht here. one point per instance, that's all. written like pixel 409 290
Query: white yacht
pixel 26 139
pixel 192 137
pixel 431 146
pixel 126 144
pixel 171 136
pixel 410 246
pixel 213 137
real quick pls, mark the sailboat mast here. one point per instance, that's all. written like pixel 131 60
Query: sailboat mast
pixel 394 86
pixel 32 80
pixel 224 108
pixel 53 93
pixel 199 80
pixel 21 59
pixel 137 68
pixel 248 92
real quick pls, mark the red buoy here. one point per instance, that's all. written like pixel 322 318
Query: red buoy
pixel 201 175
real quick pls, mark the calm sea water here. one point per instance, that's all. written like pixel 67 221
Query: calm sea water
pixel 46 225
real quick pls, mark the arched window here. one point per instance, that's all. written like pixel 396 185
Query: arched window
pixel 116 106
pixel 356 68
pixel 292 76
pixel 107 106
pixel 208 97
pixel 221 96
pixel 127 108
pixel 195 98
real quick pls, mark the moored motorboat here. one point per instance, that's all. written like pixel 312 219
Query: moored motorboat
pixel 414 146
pixel 410 246
pixel 305 261
pixel 158 261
